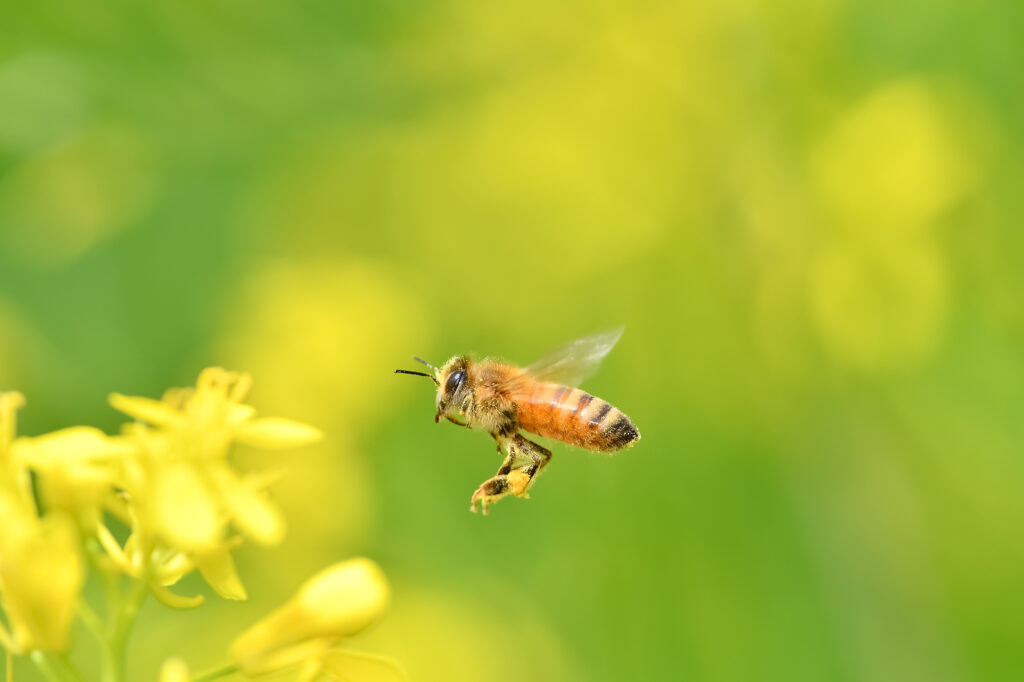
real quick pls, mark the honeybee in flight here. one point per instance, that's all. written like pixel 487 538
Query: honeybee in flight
pixel 502 399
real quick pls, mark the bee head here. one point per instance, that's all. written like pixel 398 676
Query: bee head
pixel 452 386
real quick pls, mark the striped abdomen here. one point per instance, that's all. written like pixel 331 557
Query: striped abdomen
pixel 574 416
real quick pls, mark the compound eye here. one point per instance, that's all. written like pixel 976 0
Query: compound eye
pixel 455 382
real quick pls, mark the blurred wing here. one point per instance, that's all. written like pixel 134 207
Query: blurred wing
pixel 574 362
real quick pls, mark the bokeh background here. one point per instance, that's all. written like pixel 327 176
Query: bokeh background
pixel 806 215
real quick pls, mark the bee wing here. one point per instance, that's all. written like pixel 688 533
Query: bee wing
pixel 575 361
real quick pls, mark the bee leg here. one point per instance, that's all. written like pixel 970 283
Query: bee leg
pixel 489 492
pixel 455 421
pixel 496 487
pixel 508 480
pixel 539 457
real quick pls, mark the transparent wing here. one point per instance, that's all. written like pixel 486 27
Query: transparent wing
pixel 574 362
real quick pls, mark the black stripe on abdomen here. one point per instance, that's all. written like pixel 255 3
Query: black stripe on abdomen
pixel 601 413
pixel 621 432
pixel 582 403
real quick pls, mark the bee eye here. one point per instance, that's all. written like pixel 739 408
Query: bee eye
pixel 454 382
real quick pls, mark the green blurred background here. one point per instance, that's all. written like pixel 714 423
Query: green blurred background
pixel 805 214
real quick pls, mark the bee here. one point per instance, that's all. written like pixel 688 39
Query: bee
pixel 503 399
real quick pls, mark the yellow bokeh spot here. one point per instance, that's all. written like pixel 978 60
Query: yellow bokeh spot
pixel 876 309
pixel 323 338
pixel 320 334
pixel 892 163
pixel 544 170
pixel 440 634
pixel 175 670
pixel 887 170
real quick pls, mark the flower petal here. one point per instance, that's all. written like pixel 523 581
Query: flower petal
pixel 175 601
pixel 218 568
pixel 274 433
pixel 238 413
pixel 250 508
pixel 183 509
pixel 154 412
pixel 173 569
pixel 113 549
pixel 75 443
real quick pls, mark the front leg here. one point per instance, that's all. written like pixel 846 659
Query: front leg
pixel 455 421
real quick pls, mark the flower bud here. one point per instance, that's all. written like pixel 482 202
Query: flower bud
pixel 338 602
pixel 41 576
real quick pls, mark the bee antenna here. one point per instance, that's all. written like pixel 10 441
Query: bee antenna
pixel 419 374
pixel 424 362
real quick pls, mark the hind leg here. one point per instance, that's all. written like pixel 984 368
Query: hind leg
pixel 508 480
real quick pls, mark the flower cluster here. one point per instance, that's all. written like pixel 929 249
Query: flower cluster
pixel 167 485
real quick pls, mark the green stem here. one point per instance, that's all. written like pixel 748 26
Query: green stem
pixel 121 629
pixel 92 622
pixel 67 668
pixel 110 580
pixel 223 671
pixel 39 658
pixel 55 668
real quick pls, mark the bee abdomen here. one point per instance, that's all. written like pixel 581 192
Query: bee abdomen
pixel 573 416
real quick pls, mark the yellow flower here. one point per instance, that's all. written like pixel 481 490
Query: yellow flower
pixel 183 496
pixel 186 492
pixel 336 603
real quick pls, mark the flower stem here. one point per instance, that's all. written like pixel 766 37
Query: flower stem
pixel 67 668
pixel 39 658
pixel 55 668
pixel 120 630
pixel 216 673
pixel 92 622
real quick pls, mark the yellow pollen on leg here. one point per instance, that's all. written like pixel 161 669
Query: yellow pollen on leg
pixel 517 483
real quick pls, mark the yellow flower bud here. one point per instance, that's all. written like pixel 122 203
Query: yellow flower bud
pixel 338 602
pixel 10 402
pixel 14 478
pixel 41 576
